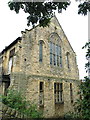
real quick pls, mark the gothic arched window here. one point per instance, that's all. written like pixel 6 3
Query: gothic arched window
pixel 40 50
pixel 55 50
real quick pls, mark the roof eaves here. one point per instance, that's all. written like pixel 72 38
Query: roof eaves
pixel 9 46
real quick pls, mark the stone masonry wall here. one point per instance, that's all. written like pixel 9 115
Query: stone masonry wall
pixel 28 71
pixel 30 87
pixel 30 53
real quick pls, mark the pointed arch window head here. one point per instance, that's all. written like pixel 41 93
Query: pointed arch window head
pixel 41 51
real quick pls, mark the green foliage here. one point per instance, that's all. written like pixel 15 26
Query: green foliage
pixel 84 8
pixel 40 12
pixel 83 104
pixel 87 46
pixel 72 116
pixel 15 100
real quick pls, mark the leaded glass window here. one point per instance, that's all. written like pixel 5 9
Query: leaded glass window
pixel 40 51
pixel 55 55
pixel 58 92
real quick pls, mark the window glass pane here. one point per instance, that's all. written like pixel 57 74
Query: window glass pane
pixel 56 53
pixel 50 47
pixel 50 58
pixel 61 90
pixel 59 51
pixel 53 47
pixel 57 60
pixel 60 86
pixel 58 92
pixel 56 50
pixel 60 96
pixel 54 59
pixel 60 61
pixel 67 60
pixel 40 51
pixel 57 86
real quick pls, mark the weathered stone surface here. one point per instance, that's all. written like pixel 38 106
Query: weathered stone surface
pixel 27 72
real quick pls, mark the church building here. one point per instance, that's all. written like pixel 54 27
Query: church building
pixel 42 64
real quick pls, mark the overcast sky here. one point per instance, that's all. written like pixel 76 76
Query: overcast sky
pixel 75 27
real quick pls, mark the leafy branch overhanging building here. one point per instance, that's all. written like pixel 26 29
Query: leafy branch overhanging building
pixel 42 64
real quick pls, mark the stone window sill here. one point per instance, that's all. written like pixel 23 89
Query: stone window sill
pixel 62 102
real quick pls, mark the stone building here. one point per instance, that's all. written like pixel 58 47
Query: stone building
pixel 42 64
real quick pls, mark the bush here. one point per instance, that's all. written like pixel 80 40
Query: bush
pixel 82 106
pixel 15 100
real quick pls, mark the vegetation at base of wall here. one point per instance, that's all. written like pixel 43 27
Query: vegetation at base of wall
pixel 15 100
pixel 82 106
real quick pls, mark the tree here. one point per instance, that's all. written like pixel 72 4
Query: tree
pixel 84 8
pixel 82 106
pixel 38 11
pixel 42 12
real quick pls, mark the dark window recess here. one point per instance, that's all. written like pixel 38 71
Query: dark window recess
pixel 7 84
pixel 12 52
pixel 6 81
pixel 67 60
pixel 71 93
pixel 41 86
pixel 41 95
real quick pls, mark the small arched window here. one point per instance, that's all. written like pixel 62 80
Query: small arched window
pixel 40 51
pixel 67 60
